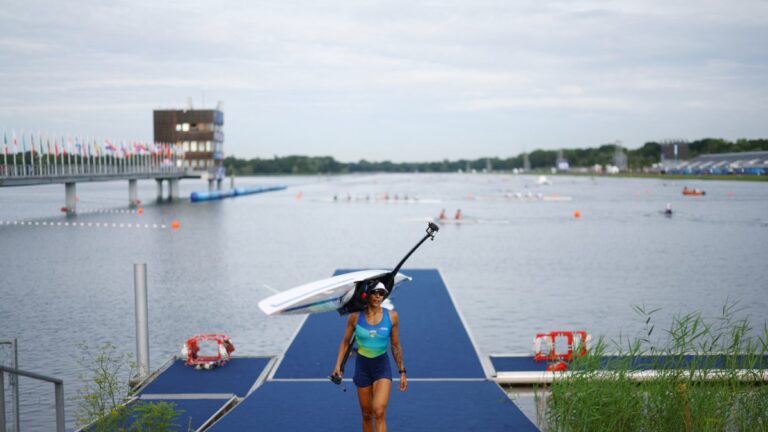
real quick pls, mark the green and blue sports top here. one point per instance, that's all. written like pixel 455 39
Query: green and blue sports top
pixel 372 340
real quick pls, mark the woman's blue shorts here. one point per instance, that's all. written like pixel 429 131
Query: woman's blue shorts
pixel 368 370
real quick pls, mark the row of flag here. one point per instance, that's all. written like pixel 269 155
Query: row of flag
pixel 88 147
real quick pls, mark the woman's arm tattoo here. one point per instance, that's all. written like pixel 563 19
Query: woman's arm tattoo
pixel 397 352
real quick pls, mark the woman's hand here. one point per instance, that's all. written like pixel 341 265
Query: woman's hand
pixel 337 372
pixel 403 382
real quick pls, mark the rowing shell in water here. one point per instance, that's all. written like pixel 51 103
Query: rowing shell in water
pixel 324 295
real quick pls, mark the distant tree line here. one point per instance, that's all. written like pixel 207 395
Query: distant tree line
pixel 645 156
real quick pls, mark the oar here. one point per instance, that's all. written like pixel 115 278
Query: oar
pixel 389 283
pixel 432 229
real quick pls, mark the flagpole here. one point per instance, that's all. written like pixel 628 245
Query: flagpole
pixel 62 154
pixel 40 154
pixel 48 156
pixel 23 154
pixel 5 152
pixel 15 150
pixel 74 157
pixel 31 154
pixel 69 155
pixel 79 156
pixel 89 156
pixel 86 160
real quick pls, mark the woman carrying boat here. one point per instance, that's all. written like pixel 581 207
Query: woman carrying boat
pixel 374 328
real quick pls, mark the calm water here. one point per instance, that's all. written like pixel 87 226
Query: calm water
pixel 524 266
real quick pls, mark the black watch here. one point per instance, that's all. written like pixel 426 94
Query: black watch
pixel 402 371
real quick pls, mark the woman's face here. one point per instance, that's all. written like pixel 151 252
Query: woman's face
pixel 376 297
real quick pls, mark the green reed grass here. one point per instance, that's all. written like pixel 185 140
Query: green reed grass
pixel 708 392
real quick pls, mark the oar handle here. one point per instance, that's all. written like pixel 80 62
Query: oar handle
pixel 336 379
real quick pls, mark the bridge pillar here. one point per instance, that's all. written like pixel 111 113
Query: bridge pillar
pixel 210 185
pixel 70 198
pixel 159 189
pixel 174 183
pixel 133 197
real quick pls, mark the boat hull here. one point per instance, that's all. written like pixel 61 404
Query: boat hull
pixel 325 295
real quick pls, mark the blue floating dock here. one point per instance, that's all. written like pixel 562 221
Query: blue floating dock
pixel 521 369
pixel 192 413
pixel 435 342
pixel 449 387
pixel 236 378
pixel 525 363
pixel 440 405
pixel 231 193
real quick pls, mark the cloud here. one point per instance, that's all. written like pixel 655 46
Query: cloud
pixel 413 63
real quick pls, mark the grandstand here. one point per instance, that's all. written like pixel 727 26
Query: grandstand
pixel 744 163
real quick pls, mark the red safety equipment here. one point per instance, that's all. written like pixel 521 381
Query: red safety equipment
pixel 559 366
pixel 581 345
pixel 191 350
pixel 551 354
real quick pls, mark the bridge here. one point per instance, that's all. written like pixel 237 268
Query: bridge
pixel 162 163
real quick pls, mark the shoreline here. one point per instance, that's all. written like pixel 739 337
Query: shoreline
pixel 744 178
pixel 685 177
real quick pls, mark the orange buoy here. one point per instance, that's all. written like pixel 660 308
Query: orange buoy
pixel 577 214
pixel 175 225
pixel 140 210
pixel 63 209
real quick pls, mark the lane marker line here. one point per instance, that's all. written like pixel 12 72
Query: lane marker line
pixel 83 224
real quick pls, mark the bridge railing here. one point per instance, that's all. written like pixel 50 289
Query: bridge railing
pixel 93 167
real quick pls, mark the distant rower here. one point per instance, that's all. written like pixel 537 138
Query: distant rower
pixel 668 210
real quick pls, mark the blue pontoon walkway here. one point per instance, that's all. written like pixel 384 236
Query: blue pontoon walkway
pixel 448 387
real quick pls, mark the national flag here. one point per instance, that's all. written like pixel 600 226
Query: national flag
pixel 56 147
pixel 32 143
pixel 5 143
pixel 15 143
pixel 111 147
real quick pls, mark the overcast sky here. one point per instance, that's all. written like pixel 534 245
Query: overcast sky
pixel 391 80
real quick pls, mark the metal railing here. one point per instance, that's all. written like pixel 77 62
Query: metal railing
pixel 58 389
pixel 14 344
pixel 93 168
